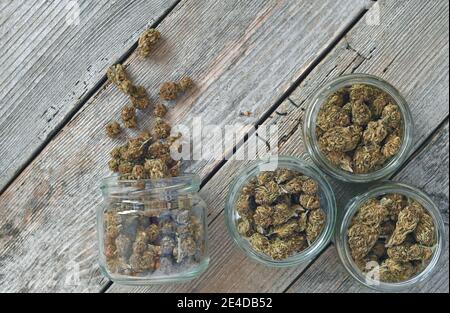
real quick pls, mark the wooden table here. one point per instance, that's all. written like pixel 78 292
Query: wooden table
pixel 265 57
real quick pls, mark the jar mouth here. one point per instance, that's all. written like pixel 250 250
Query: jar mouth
pixel 309 130
pixel 186 183
pixel 327 196
pixel 351 209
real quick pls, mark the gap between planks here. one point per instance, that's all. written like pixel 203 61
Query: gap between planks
pixel 273 109
pixel 78 106
pixel 285 96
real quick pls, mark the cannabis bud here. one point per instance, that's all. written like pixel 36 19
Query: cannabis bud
pixel 359 129
pixel 171 90
pixel 147 40
pixel 119 77
pixel 395 232
pixel 128 115
pixel 160 110
pixel 113 129
pixel 279 213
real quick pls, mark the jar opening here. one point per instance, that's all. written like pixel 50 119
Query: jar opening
pixel 311 140
pixel 341 239
pixel 188 183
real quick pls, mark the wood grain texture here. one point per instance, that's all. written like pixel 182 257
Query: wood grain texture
pixel 429 172
pixel 51 59
pixel 243 56
pixel 401 26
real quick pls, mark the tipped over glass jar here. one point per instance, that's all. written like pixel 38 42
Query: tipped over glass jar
pixel 152 231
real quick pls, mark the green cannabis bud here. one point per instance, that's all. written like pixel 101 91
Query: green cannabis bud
pixel 359 129
pixel 425 230
pixel 279 213
pixel 139 98
pixel 186 83
pixel 316 223
pixel 118 76
pixel 147 40
pixel 128 115
pixel 113 129
pixel 394 231
pixel 161 130
pixel 156 169
pixel 160 110
pixel 171 90
pixel 361 239
pixel 410 252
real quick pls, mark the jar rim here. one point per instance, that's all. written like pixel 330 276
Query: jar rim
pixel 186 183
pixel 310 126
pixel 305 168
pixel 354 204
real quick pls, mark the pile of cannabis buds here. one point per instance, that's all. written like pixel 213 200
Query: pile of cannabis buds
pixel 280 213
pixel 359 128
pixel 394 231
pixel 146 236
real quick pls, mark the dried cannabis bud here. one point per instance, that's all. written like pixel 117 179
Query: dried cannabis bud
pixel 359 129
pixel 361 239
pixel 161 129
pixel 375 133
pixel 147 40
pixel 396 233
pixel 186 83
pixel 410 252
pixel 128 115
pixel 168 241
pixel 316 223
pixel 392 271
pixel 367 159
pixel 408 218
pixel 156 169
pixel 340 139
pixel 425 230
pixel 171 90
pixel 119 77
pixel 113 129
pixel 138 95
pixel 280 213
pixel 139 98
pixel 160 110
pixel 391 146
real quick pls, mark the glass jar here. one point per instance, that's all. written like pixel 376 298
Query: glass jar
pixel 152 231
pixel 311 142
pixel 344 250
pixel 325 193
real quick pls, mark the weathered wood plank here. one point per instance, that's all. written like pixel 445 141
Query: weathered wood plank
pixel 429 172
pixel 243 55
pixel 51 59
pixel 400 27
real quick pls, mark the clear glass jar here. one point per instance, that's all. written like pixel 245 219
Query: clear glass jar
pixel 152 231
pixel 327 199
pixel 344 250
pixel 310 138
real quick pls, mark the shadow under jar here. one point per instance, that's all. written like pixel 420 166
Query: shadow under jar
pixel 275 236
pixel 405 265
pixel 344 124
pixel 152 231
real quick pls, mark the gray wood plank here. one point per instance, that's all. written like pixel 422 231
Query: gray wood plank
pixel 243 55
pixel 429 172
pixel 51 59
pixel 401 26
